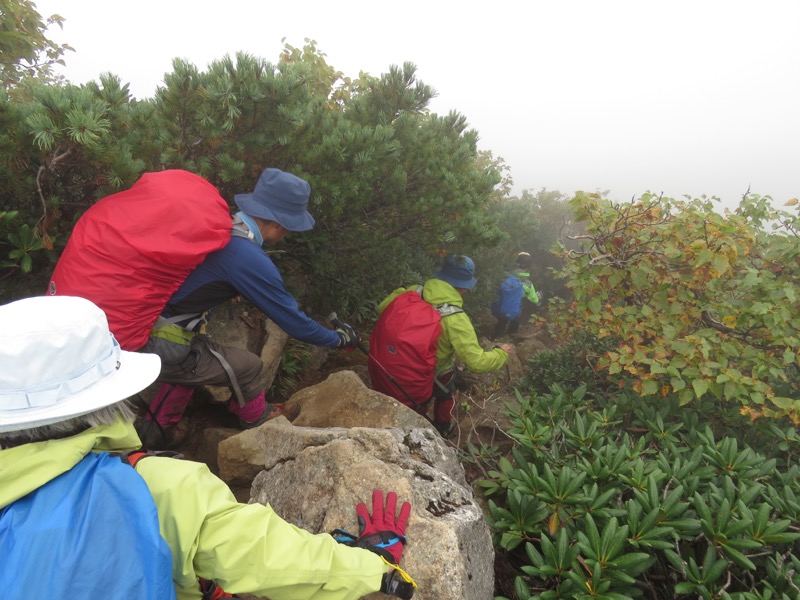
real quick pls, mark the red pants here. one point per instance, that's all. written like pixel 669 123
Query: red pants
pixel 442 398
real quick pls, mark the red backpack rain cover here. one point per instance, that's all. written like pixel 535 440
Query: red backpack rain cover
pixel 402 348
pixel 131 251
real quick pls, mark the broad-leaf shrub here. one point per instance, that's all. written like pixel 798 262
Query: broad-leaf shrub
pixel 702 304
pixel 630 499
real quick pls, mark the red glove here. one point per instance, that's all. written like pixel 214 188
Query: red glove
pixel 380 532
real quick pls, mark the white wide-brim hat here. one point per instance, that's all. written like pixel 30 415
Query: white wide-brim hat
pixel 58 360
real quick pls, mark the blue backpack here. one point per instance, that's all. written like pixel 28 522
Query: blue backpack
pixel 91 532
pixel 508 302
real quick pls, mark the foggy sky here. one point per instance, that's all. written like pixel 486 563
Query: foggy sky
pixel 682 97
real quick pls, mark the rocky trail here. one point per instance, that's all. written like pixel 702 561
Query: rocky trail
pixel 478 412
pixel 347 438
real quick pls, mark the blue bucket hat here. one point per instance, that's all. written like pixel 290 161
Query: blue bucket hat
pixel 459 271
pixel 280 197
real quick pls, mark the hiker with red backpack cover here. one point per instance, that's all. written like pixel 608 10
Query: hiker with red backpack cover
pixel 420 332
pixel 158 257
pixel 82 515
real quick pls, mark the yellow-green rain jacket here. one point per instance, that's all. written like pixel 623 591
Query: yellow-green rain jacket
pixel 245 548
pixel 458 337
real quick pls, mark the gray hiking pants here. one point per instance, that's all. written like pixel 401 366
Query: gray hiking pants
pixel 195 365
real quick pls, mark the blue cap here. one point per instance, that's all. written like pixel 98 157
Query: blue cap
pixel 280 197
pixel 459 271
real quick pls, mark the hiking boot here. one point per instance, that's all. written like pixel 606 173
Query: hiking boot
pixel 445 429
pixel 271 412
pixel 153 437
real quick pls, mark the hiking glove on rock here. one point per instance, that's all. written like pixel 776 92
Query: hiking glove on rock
pixel 348 338
pixel 381 532
pixel 384 534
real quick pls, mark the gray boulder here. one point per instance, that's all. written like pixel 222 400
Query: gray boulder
pixel 315 477
pixel 342 400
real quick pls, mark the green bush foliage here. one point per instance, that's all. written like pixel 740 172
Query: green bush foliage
pixel 25 48
pixel 626 498
pixel 388 177
pixel 702 304
pixel 571 365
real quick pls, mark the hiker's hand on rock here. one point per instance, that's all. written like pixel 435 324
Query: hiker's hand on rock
pixel 505 347
pixel 348 338
pixel 382 532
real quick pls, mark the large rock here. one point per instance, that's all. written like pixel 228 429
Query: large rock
pixel 315 477
pixel 342 400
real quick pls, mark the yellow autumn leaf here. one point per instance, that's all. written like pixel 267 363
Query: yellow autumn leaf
pixel 553 524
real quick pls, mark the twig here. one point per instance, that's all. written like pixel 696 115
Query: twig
pixel 42 168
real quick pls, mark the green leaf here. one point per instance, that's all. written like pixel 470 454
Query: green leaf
pixel 700 387
pixel 721 264
pixel 677 384
pixel 744 544
pixel 639 278
pixel 685 397
pixel 649 387
pixel 633 562
pixel 715 571
pixel 738 558
pixel 684 588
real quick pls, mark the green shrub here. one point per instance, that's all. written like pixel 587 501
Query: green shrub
pixel 571 365
pixel 630 498
pixel 295 359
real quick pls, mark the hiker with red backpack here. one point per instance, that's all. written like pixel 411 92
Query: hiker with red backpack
pixel 81 516
pixel 171 243
pixel 420 333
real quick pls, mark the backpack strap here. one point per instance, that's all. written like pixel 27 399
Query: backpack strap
pixel 237 390
pixel 168 330
pixel 134 456
pixel 196 320
pixel 211 591
pixel 239 229
pixel 445 309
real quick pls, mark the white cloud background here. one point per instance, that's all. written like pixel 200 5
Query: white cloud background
pixel 682 97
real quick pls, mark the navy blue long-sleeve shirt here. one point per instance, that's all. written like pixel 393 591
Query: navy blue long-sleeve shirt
pixel 243 268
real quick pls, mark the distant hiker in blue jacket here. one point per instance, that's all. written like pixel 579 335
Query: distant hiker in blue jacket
pixel 507 307
pixel 276 207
